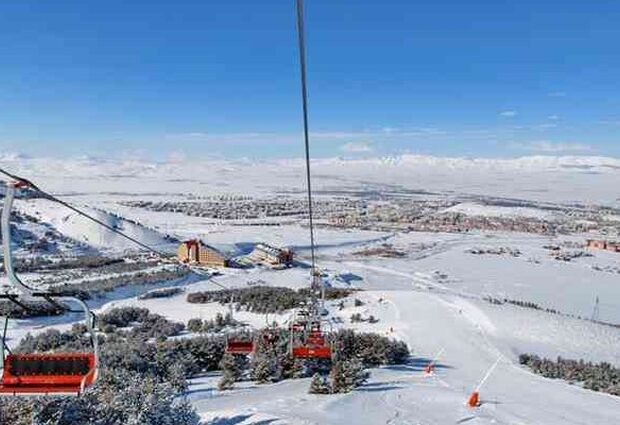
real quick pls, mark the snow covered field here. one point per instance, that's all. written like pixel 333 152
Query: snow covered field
pixel 543 178
pixel 433 297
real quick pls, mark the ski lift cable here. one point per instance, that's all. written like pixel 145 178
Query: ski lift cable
pixel 51 197
pixel 162 255
pixel 304 101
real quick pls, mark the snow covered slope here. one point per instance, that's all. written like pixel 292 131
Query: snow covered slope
pixel 83 230
pixel 472 341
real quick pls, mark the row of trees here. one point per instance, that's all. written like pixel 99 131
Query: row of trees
pixel 142 373
pixel 520 303
pixel 344 377
pixel 357 317
pixel 143 369
pixel 602 377
pixel 352 353
pixel 34 309
pixel 161 293
pixel 63 263
pixel 263 299
pixel 120 398
pixel 96 287
pixel 218 324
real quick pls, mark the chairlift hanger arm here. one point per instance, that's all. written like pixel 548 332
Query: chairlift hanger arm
pixel 15 300
pixel 5 346
pixel 27 374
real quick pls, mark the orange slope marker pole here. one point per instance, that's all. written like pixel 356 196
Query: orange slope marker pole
pixel 474 397
pixel 430 367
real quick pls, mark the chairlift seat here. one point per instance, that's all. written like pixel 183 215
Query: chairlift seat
pixel 312 352
pixel 44 373
pixel 239 347
pixel 316 340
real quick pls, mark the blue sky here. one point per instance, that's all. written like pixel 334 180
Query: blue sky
pixel 220 78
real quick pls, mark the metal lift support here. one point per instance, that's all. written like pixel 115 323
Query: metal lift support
pixel 32 374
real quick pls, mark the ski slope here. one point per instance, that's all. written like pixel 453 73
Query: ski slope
pixel 472 341
pixel 86 231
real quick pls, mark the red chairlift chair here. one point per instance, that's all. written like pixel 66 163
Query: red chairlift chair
pixel 312 352
pixel 239 347
pixel 42 374
pixel 49 373
pixel 310 346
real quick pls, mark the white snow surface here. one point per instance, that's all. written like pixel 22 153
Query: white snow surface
pixel 543 178
pixel 473 209
pixel 79 228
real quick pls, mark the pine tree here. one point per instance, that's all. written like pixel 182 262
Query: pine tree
pixel 195 325
pixel 319 385
pixel 230 372
pixel 262 370
pixel 269 357
pixel 346 375
pixel 336 378
pixel 176 377
pixel 298 369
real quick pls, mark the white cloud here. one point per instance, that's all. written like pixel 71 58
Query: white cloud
pixel 357 147
pixel 546 125
pixel 340 135
pixel 557 94
pixel 177 156
pixel 191 135
pixel 553 117
pixel 232 138
pixel 547 146
pixel 508 114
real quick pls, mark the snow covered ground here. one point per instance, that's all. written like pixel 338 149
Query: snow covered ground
pixel 403 394
pixel 433 297
pixel 470 208
pixel 83 230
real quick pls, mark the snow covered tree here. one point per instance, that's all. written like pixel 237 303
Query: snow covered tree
pixel 262 369
pixel 176 376
pixel 194 325
pixel 271 360
pixel 121 398
pixel 319 385
pixel 346 375
pixel 597 377
pixel 230 372
pixel 372 349
pixel 16 411
pixel 297 369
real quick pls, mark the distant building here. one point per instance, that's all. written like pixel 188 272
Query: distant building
pixel 605 245
pixel 264 253
pixel 194 251
pixel 346 219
